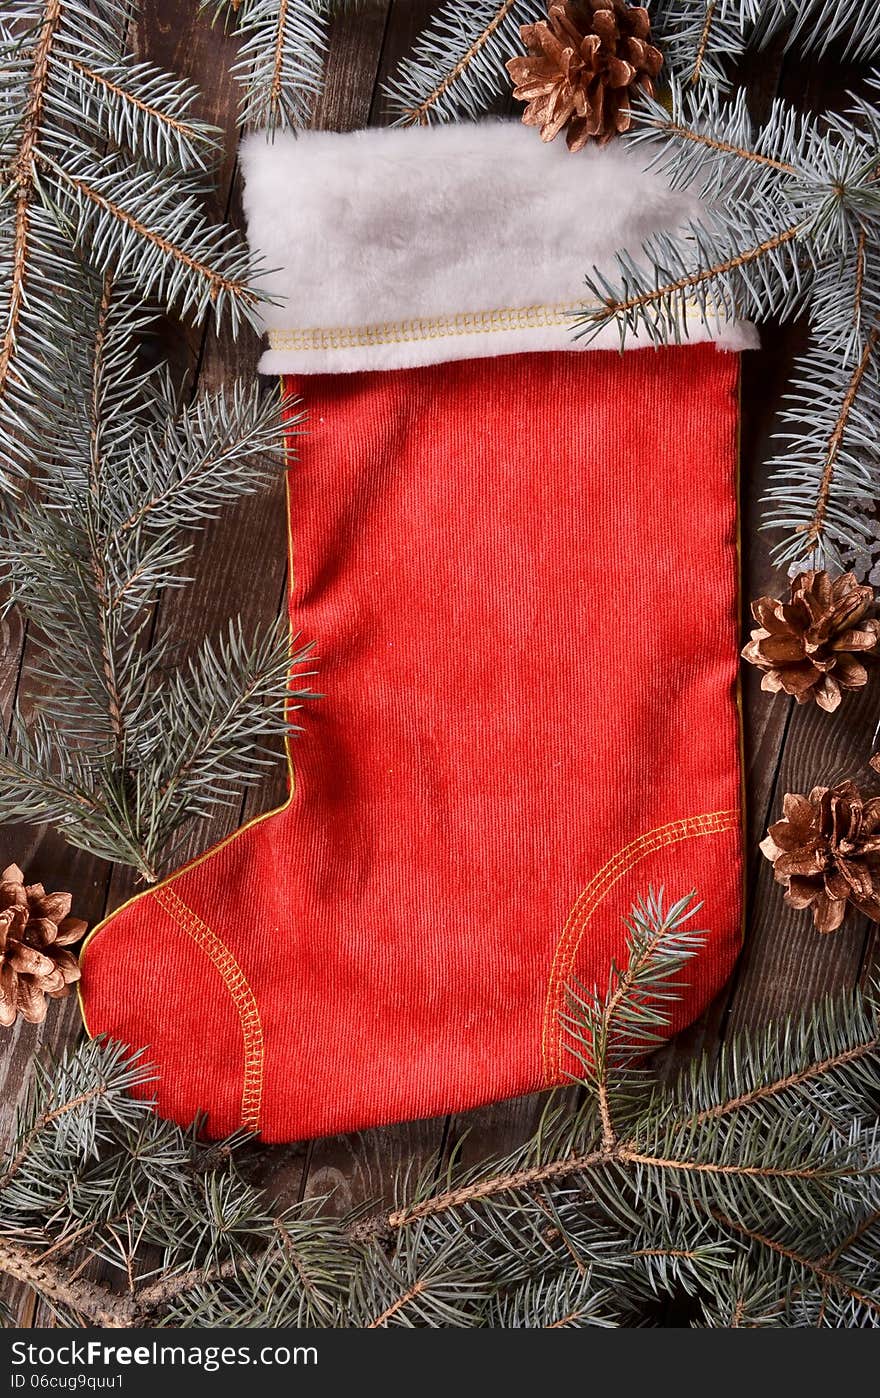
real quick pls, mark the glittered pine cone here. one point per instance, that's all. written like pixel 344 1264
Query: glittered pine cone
pixel 826 851
pixel 810 645
pixel 584 62
pixel 35 929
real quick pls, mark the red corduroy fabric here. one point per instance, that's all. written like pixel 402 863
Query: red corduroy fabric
pixel 521 575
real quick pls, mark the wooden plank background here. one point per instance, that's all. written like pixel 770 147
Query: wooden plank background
pixel 784 963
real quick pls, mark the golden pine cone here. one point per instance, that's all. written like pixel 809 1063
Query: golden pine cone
pixel 810 645
pixel 826 851
pixel 35 929
pixel 583 64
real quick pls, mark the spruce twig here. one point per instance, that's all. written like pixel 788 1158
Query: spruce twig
pixel 21 179
pixel 749 1188
pixel 419 115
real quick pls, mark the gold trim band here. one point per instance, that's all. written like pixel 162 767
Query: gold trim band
pixel 425 328
pixel 555 316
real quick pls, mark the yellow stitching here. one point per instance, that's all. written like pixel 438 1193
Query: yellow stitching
pixel 504 318
pixel 599 885
pixel 433 328
pixel 242 997
pixel 586 904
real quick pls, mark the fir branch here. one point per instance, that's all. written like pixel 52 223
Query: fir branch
pixel 730 1206
pixel 816 1269
pixel 419 115
pixel 789 224
pixel 126 108
pixel 89 1299
pixel 574 1165
pixel 635 306
pixel 95 1302
pixel 821 488
pixel 457 65
pixel 703 41
pixel 21 179
pixel 718 145
pixel 103 161
pixel 218 285
pixel 125 749
pixel 815 529
pixel 280 62
pixel 65 1101
pixel 824 1169
pixel 822 1068
pixel 211 722
pixel 615 1028
pixel 46 1118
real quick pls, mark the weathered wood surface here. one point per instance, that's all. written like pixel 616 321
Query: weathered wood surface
pixel 784 962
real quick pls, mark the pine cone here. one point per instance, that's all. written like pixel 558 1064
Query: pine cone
pixel 584 61
pixel 35 927
pixel 808 646
pixel 826 851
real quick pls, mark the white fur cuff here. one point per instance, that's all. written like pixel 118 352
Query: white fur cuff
pixel 392 248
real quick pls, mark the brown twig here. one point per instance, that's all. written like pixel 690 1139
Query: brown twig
pixel 495 1184
pixel 712 1167
pixel 278 60
pixel 815 528
pixel 396 1306
pixel 101 81
pixel 418 116
pixel 609 1135
pixel 625 1153
pixel 703 43
pixel 96 1302
pixel 149 1299
pixel 575 1164
pixel 699 138
pixel 767 1090
pixel 23 180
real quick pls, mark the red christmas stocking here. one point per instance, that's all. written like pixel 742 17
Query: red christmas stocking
pixel 518 561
